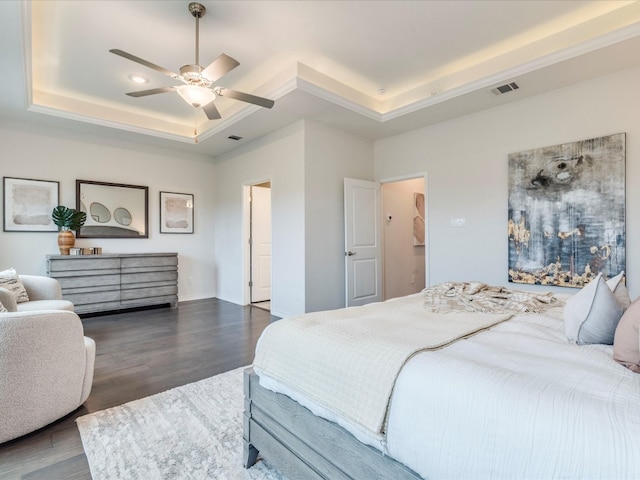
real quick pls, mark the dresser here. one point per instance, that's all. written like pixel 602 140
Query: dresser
pixel 99 283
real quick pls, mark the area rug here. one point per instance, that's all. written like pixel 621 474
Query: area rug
pixel 189 432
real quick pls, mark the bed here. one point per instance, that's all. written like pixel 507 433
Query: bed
pixel 507 396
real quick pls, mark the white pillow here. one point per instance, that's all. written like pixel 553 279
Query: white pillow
pixel 9 279
pixel 619 289
pixel 592 314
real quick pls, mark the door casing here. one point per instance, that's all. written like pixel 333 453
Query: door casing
pixel 246 235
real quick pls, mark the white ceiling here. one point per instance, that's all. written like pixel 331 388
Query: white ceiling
pixel 323 60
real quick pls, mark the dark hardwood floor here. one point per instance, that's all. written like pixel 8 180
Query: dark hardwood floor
pixel 139 353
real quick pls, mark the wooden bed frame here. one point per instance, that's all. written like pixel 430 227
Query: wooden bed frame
pixel 304 446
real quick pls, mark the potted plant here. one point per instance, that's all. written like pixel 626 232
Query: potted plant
pixel 68 220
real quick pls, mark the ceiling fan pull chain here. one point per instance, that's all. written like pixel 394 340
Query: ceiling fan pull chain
pixel 195 128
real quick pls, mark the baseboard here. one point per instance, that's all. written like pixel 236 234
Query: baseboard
pixel 197 296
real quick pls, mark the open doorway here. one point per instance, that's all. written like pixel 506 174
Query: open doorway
pixel 404 233
pixel 386 238
pixel 259 245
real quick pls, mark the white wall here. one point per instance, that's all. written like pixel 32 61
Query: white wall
pixel 306 163
pixel 60 155
pixel 404 263
pixel 280 158
pixel 330 156
pixel 467 159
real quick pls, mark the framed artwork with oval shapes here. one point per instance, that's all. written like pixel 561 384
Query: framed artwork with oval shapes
pixel 114 210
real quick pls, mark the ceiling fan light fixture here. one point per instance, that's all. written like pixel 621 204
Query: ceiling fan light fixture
pixel 196 96
pixel 197 79
pixel 192 75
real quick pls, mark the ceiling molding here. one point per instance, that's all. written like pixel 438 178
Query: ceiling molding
pixel 108 123
pixel 449 86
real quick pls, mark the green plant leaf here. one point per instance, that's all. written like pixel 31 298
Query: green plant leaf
pixel 68 218
pixel 77 220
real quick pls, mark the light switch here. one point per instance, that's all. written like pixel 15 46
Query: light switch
pixel 458 222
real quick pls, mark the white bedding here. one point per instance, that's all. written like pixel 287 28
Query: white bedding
pixel 516 401
pixel 348 359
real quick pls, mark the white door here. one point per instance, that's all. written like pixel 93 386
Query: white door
pixel 260 244
pixel 363 242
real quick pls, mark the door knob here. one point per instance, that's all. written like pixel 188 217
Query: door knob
pixel 350 253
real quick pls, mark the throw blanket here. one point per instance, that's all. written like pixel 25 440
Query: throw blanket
pixel 479 297
pixel 348 360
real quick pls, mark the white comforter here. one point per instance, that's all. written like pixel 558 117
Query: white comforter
pixel 516 401
pixel 348 359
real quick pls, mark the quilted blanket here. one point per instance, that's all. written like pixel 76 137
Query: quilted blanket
pixel 348 360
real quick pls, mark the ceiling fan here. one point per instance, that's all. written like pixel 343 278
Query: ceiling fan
pixel 197 89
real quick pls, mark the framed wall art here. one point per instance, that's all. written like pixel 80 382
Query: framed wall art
pixel 176 212
pixel 114 210
pixel 28 204
pixel 567 212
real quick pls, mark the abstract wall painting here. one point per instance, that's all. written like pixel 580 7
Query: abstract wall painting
pixel 28 204
pixel 567 212
pixel 176 212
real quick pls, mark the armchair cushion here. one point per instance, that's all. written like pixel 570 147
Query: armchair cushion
pixel 8 300
pixel 10 280
pixel 44 293
pixel 41 288
pixel 53 304
pixel 46 369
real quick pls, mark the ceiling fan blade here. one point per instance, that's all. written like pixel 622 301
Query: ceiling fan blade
pixel 219 67
pixel 245 97
pixel 139 60
pixel 153 91
pixel 211 111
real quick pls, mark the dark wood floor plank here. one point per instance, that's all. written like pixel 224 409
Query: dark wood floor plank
pixel 75 468
pixel 139 353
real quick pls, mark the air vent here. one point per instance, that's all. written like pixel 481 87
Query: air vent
pixel 506 88
pixel 234 137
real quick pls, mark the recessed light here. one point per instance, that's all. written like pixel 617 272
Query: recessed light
pixel 234 137
pixel 137 78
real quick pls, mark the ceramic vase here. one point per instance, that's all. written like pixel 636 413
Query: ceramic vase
pixel 66 240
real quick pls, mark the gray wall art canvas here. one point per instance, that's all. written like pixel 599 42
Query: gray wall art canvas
pixel 176 212
pixel 567 212
pixel 28 204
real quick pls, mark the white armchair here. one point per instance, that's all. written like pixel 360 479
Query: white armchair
pixel 44 294
pixel 46 369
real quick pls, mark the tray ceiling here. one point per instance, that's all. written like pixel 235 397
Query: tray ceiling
pixel 374 68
